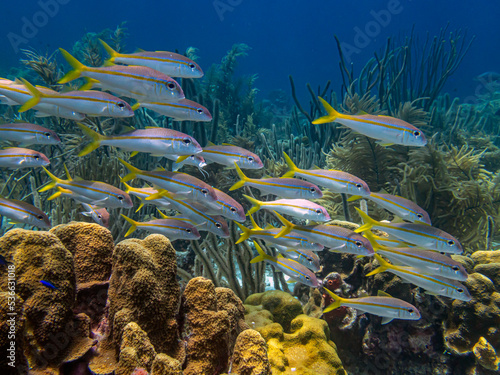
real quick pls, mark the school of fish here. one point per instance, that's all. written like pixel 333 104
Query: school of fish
pixel 417 251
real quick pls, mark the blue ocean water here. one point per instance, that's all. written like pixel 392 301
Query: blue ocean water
pixel 287 37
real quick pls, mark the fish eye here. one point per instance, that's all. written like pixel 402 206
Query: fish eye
pixel 318 211
pixel 199 110
pixel 420 216
pixel 204 191
pixel 232 209
pixel 192 66
pixel 416 133
pixel 121 105
pixel 250 158
pixel 171 85
pixel 188 230
pixel 455 268
pixel 308 278
pixel 120 198
pixel 186 141
pixel 218 225
pixel 451 242
pixel 309 260
pixel 359 186
pixel 39 217
pixel 411 311
pixel 460 290
pixel 47 134
pixel 36 156
pixel 358 243
pixel 312 190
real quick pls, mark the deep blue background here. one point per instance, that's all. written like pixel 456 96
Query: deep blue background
pixel 287 36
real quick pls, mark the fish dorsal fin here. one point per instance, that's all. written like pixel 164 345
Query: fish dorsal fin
pixel 126 129
pixel 77 178
pixel 210 143
pixel 383 191
pixel 139 50
pixel 17 81
pixel 228 144
pixel 363 294
pixel 361 113
pixel 68 176
pixel 385 116
pixel 381 293
pixel 269 226
pixel 159 169
pixel 151 127
pixel 267 176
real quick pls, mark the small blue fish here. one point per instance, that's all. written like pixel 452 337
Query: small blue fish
pixel 48 284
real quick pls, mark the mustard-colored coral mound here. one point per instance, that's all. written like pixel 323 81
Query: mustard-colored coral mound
pixel 47 312
pixel 143 289
pixel 485 355
pixel 214 318
pixel 92 248
pixel 307 350
pixel 283 306
pixel 250 354
pixel 303 347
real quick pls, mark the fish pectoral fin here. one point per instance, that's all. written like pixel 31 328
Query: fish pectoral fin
pixel 336 249
pixel 291 281
pixel 86 213
pixel 431 293
pixel 386 320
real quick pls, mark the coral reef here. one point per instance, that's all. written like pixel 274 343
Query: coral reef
pixel 212 325
pixel 303 346
pixel 283 306
pixel 250 354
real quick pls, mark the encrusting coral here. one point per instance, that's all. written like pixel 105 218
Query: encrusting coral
pixel 480 318
pixel 303 347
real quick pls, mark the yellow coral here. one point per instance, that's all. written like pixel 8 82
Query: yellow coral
pixel 486 355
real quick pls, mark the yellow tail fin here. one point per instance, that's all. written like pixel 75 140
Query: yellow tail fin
pixel 111 52
pixel 293 168
pixel 89 83
pixel 245 233
pixel 262 255
pixel 53 183
pixel 368 222
pixel 254 224
pixel 133 224
pixel 256 205
pixel 242 180
pixel 337 302
pixel 332 113
pixel 288 226
pixel 136 106
pixel 59 192
pixel 77 66
pixel 353 198
pixel 37 96
pixel 133 171
pixel 96 139
pixel 384 266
